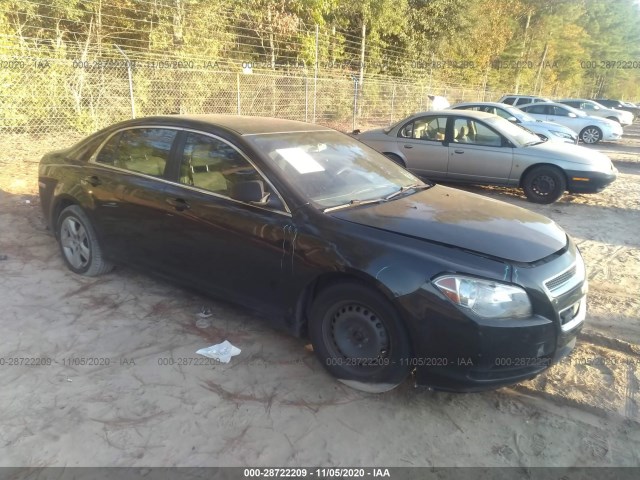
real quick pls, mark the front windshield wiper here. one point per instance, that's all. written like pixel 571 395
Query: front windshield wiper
pixel 357 203
pixel 415 186
pixel 353 203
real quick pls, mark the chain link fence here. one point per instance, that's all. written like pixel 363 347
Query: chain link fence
pixel 43 96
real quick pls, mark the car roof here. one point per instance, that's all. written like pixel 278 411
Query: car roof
pixel 544 104
pixel 484 104
pixel 448 112
pixel 240 124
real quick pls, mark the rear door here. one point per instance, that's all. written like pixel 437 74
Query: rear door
pixel 423 143
pixel 126 182
pixel 235 249
pixel 478 153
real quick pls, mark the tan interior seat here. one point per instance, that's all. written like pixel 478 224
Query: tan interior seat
pixel 463 135
pixel 202 169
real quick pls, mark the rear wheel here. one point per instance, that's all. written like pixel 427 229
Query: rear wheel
pixel 544 184
pixel 396 159
pixel 79 245
pixel 591 135
pixel 359 338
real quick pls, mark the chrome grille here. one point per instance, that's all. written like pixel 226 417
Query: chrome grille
pixel 557 282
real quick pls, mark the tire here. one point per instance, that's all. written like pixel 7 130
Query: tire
pixel 591 135
pixel 544 184
pixel 359 337
pixel 79 244
pixel 395 158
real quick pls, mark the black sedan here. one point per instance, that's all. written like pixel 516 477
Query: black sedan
pixel 386 274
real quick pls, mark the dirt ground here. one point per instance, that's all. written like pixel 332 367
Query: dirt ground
pixel 124 386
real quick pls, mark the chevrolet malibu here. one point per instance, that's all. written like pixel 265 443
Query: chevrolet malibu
pixel 387 275
pixel 465 146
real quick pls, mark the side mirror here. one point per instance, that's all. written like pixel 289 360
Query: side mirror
pixel 572 115
pixel 251 191
pixel 513 119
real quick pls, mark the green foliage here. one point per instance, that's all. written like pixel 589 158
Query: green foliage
pixel 552 47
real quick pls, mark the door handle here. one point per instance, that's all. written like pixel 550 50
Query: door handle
pixel 459 151
pixel 91 180
pixel 180 204
pixel 408 146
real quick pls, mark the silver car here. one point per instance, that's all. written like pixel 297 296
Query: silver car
pixel 477 147
pixel 548 131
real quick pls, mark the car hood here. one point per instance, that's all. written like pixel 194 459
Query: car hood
pixel 568 153
pixel 465 220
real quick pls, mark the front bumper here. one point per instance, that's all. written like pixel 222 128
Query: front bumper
pixel 612 135
pixel 589 182
pixel 454 352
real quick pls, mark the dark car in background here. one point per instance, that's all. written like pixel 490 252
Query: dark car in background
pixel 619 105
pixel 326 238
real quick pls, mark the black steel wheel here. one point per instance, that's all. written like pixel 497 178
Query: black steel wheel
pixel 79 245
pixel 544 184
pixel 358 336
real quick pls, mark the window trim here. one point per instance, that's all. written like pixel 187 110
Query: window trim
pixel 173 158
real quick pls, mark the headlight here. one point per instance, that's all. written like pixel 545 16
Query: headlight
pixel 486 298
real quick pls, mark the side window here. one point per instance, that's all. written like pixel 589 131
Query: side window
pixel 508 100
pixel 538 109
pixel 430 128
pixel 142 150
pixel 524 100
pixel 501 113
pixel 214 165
pixel 425 128
pixel 109 151
pixel 559 111
pixel 469 131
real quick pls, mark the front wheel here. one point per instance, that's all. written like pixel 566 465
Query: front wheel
pixel 359 338
pixel 79 245
pixel 544 184
pixel 591 135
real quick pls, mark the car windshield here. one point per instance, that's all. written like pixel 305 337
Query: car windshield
pixel 519 114
pixel 331 169
pixel 521 136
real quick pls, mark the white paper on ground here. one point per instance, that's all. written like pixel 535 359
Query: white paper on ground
pixel 222 351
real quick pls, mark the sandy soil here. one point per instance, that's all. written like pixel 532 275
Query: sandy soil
pixel 125 388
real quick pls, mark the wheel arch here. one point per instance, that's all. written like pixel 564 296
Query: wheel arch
pixel 299 326
pixel 542 164
pixel 395 154
pixel 59 204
